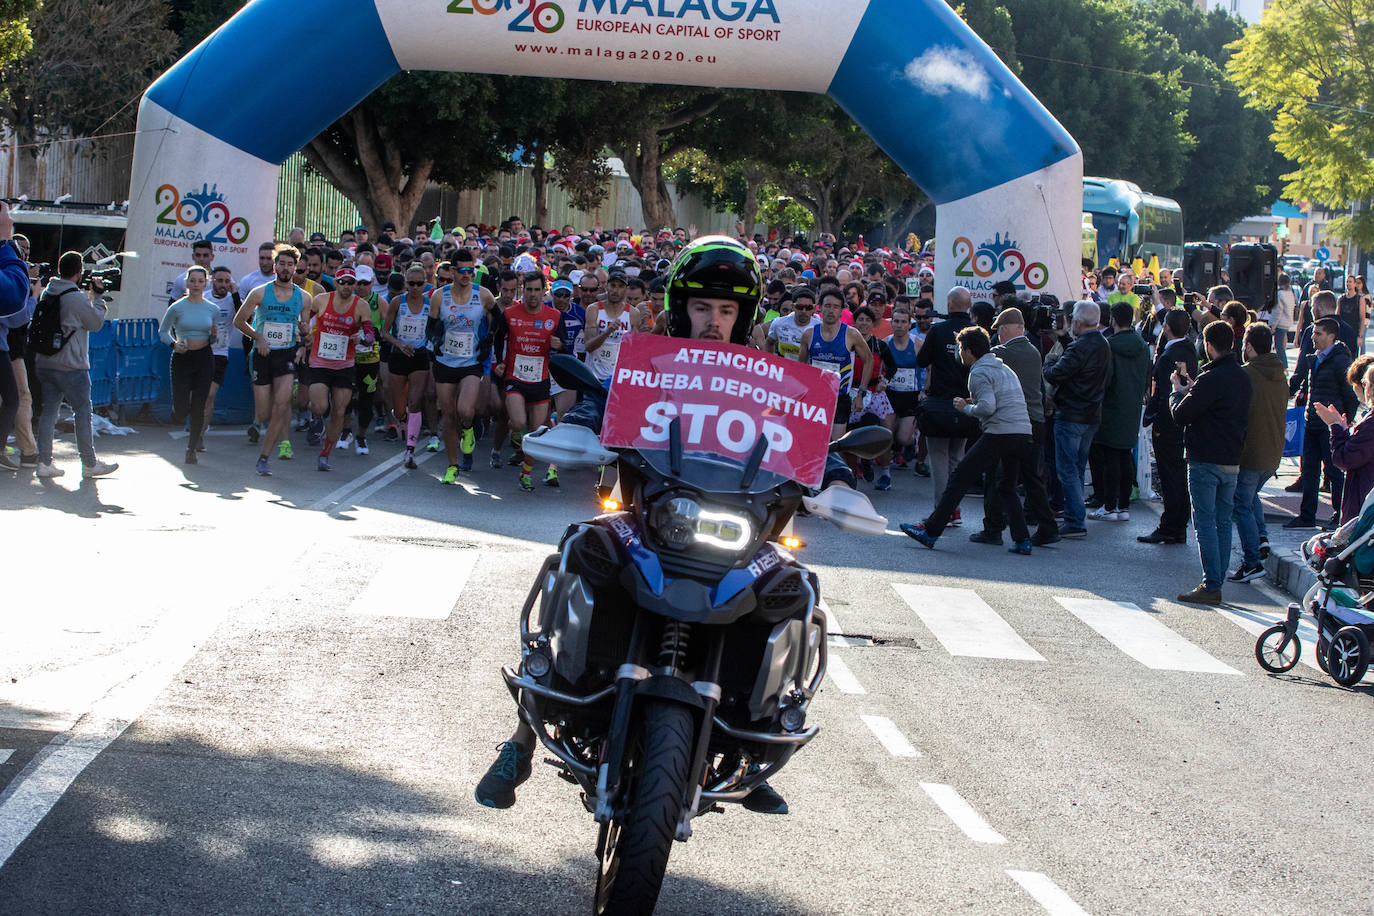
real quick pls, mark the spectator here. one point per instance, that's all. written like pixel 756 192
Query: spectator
pixel 1213 410
pixel 947 379
pixel 1166 436
pixel 67 373
pixel 1285 317
pixel 1264 432
pixel 1351 308
pixel 1238 317
pixel 1119 432
pixel 1080 380
pixel 1321 377
pixel 1352 446
pixel 11 369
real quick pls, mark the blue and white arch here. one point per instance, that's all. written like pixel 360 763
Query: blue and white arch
pixel 1006 177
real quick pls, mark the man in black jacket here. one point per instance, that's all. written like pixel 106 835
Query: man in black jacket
pixel 1167 436
pixel 1213 411
pixel 1321 374
pixel 947 380
pixel 1080 380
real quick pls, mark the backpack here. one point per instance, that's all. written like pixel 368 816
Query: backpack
pixel 45 330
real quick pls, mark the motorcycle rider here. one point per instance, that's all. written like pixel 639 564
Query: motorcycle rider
pixel 712 286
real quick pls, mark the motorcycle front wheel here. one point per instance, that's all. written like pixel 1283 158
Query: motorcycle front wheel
pixel 636 843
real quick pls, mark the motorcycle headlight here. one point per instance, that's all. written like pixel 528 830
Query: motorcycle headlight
pixel 681 522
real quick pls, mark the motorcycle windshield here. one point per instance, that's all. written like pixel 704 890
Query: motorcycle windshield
pixel 720 417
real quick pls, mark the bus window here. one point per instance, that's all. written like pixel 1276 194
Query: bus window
pixel 1111 237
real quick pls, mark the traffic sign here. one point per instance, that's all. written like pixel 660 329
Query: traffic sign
pixel 1322 254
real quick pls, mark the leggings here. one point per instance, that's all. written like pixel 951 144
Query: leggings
pixel 192 373
pixel 365 394
pixel 9 399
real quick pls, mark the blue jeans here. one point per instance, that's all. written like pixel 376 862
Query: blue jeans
pixel 1281 345
pixel 75 386
pixel 1249 513
pixel 1072 441
pixel 1213 493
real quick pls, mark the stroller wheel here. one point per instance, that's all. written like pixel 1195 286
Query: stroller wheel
pixel 1348 657
pixel 1322 648
pixel 1276 651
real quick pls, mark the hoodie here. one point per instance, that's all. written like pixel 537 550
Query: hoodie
pixel 79 317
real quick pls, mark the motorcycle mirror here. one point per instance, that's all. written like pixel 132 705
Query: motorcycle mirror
pixel 865 442
pixel 571 373
pixel 847 509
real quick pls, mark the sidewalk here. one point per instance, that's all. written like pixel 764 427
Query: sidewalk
pixel 1287 571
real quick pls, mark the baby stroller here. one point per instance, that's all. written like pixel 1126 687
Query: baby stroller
pixel 1338 602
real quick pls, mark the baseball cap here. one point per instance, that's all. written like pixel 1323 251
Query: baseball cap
pixel 560 286
pixel 318 237
pixel 345 273
pixel 388 226
pixel 363 273
pixel 359 228
pixel 384 262
pixel 1011 315
pixel 617 274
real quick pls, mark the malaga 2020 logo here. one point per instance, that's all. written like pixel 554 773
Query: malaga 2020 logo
pixel 198 215
pixel 996 260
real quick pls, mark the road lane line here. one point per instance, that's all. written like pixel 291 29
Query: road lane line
pixel 29 798
pixel 6 754
pixel 338 495
pixel 389 479
pixel 1046 893
pixel 407 585
pixel 1137 633
pixel 964 623
pixel 185 434
pixel 832 620
pixel 890 738
pixel 844 679
pixel 961 812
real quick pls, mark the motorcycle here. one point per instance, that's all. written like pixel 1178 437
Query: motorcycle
pixel 670 650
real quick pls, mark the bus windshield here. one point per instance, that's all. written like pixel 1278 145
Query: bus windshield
pixel 1111 237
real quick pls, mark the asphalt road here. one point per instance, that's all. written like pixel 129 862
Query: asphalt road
pixel 228 694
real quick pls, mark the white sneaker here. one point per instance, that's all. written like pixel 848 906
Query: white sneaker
pixel 345 441
pixel 49 470
pixel 362 448
pixel 1101 514
pixel 1123 515
pixel 99 469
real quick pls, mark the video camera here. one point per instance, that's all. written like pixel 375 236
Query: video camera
pixel 1042 309
pixel 110 276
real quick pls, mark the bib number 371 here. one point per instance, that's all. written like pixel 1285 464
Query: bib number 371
pixel 535 16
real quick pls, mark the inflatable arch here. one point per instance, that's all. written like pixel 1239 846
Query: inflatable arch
pixel 1004 174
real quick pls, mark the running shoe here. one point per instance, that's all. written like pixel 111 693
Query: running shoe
pixel 345 440
pixel 190 457
pixel 465 463
pixel 433 445
pixel 917 532
pixel 920 469
pixel 410 459
pixel 526 484
pixel 516 457
pixel 31 461
pixel 511 767
pixel 49 470
pixel 1021 547
pixel 362 447
pixel 393 434
pixel 316 433
pixel 264 469
pixel 302 423
pixel 200 446
pixel 284 452
pixel 322 464
pixel 99 469
pixel 884 482
pixel 12 464
pixel 956 519
pixel 451 475
pixel 254 434
pixel 468 444
pixel 496 458
pixel 551 478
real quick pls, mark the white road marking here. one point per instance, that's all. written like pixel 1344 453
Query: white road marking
pixel 28 799
pixel 964 623
pixel 832 620
pixel 1046 893
pixel 1137 633
pixel 887 733
pixel 337 496
pixel 961 812
pixel 420 582
pixel 844 679
pixel 1256 622
pixel 389 479
pixel 186 434
pixel 6 754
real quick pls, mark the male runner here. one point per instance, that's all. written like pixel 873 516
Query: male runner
pixel 530 334
pixel 833 346
pixel 607 324
pixel 405 326
pixel 462 311
pixel 785 332
pixel 341 319
pixel 273 317
pixel 221 293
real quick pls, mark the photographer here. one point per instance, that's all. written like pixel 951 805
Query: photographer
pixel 67 372
pixel 16 307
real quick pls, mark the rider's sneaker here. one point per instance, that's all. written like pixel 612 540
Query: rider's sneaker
pixel 551 478
pixel 284 452
pixel 264 469
pixel 451 475
pixel 764 800
pixel 510 768
pixel 526 483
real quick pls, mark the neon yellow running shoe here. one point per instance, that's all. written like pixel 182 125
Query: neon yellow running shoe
pixel 469 444
pixel 450 476
pixel 284 450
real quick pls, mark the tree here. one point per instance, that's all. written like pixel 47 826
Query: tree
pixel 15 38
pixel 416 127
pixel 649 124
pixel 1309 65
pixel 194 20
pixel 88 63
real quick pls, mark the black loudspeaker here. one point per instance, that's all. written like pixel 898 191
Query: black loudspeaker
pixel 1254 272
pixel 1201 266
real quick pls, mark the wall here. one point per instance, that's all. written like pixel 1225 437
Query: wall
pixel 91 171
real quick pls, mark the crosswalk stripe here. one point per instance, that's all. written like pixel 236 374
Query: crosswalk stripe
pixel 964 623
pixel 1137 633
pixel 888 735
pixel 1256 622
pixel 844 679
pixel 5 754
pixel 1046 893
pixel 957 809
pixel 416 581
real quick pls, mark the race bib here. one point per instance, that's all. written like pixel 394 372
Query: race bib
pixel 580 344
pixel 528 368
pixel 789 350
pixel 460 344
pixel 410 328
pixel 903 380
pixel 826 365
pixel 279 334
pixel 603 360
pixel 333 346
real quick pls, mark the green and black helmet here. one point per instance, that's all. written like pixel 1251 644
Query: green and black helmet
pixel 713 267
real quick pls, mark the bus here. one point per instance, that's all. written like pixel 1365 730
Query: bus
pixel 1132 223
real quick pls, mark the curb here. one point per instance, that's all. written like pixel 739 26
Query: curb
pixel 1289 573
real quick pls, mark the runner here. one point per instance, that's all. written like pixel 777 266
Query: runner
pixel 531 332
pixel 898 355
pixel 608 322
pixel 507 288
pixel 221 294
pixel 367 363
pixel 405 327
pixel 573 326
pixel 833 347
pixel 272 317
pixel 785 332
pixel 341 319
pixel 462 311
pixel 188 327
pixel 876 409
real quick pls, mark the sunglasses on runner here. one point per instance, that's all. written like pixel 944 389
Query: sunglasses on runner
pixel 345 282
pixel 466 270
pixel 563 294
pixel 415 283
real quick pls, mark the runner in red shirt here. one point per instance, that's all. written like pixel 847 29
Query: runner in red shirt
pixel 530 334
